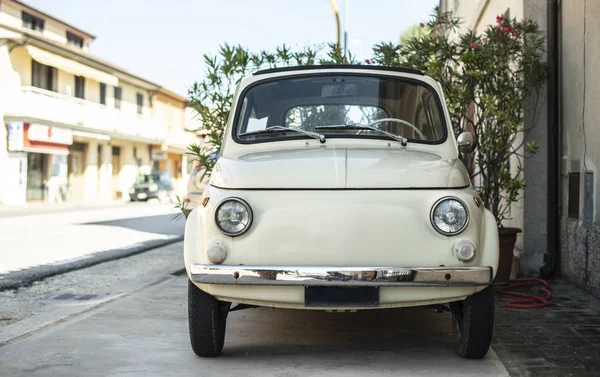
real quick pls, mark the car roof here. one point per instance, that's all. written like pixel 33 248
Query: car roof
pixel 337 66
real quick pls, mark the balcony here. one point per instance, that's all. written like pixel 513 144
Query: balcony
pixel 179 140
pixel 39 105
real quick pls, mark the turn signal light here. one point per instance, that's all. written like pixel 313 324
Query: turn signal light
pixel 464 250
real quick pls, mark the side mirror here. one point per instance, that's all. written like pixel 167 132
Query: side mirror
pixel 466 142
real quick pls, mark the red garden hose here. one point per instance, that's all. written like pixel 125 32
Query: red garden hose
pixel 528 301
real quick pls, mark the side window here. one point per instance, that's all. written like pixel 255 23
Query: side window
pixel 427 118
pixel 80 87
pixel 103 93
pixel 140 102
pixel 256 123
pixel 436 121
pixel 74 40
pixel 32 22
pixel 43 76
pixel 118 94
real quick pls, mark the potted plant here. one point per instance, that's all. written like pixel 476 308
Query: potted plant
pixel 488 79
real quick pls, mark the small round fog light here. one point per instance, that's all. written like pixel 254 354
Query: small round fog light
pixel 464 250
pixel 217 252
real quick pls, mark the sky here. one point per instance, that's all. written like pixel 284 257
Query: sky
pixel 164 41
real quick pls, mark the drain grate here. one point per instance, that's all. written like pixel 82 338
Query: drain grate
pixel 72 296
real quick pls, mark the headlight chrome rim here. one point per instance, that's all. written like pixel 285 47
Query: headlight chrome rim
pixel 248 209
pixel 437 203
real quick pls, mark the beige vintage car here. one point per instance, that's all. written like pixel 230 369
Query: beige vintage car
pixel 340 188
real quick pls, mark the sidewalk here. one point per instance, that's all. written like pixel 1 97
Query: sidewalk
pixel 562 339
pixel 8 211
pixel 34 246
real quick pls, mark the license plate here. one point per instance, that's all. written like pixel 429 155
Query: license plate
pixel 344 296
pixel 142 195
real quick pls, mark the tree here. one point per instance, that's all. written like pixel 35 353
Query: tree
pixel 212 97
pixel 492 74
pixel 414 31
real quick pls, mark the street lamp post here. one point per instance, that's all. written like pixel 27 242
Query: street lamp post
pixel 345 28
pixel 337 21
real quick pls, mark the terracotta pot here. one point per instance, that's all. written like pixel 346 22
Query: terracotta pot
pixel 508 237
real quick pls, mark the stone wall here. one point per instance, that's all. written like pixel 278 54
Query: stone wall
pixel 580 255
pixel 580 233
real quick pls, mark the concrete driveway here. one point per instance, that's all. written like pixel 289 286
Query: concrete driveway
pixel 145 334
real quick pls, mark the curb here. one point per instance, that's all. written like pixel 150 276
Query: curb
pixel 22 278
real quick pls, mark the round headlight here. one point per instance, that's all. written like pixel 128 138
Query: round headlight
pixel 233 216
pixel 449 216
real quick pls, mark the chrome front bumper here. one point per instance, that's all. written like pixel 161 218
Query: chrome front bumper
pixel 340 276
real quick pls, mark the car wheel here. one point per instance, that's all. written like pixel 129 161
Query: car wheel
pixel 475 319
pixel 207 318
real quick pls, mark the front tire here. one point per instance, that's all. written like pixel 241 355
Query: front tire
pixel 207 318
pixel 475 317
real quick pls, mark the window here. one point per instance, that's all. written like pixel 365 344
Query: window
pixel 43 76
pixel 573 202
pixel 32 22
pixel 118 93
pixel 79 86
pixel 140 102
pixel 74 40
pixel 103 93
pixel 327 104
pixel 315 115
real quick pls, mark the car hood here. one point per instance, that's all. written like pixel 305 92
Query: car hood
pixel 339 168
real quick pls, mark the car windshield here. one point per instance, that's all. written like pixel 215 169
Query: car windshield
pixel 314 102
pixel 146 178
pixel 151 178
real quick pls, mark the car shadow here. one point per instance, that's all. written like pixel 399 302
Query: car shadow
pixel 160 224
pixel 415 341
pixel 287 332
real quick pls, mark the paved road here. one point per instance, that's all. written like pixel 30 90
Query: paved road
pixel 144 333
pixel 54 238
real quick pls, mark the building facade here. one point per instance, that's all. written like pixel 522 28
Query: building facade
pixel 74 127
pixel 577 43
pixel 181 132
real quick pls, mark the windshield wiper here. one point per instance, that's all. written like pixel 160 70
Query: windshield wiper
pixel 403 141
pixel 314 135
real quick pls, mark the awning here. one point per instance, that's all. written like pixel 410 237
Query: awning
pixel 71 66
pixel 91 135
pixel 47 150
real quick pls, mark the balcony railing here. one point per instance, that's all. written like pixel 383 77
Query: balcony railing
pixel 39 104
